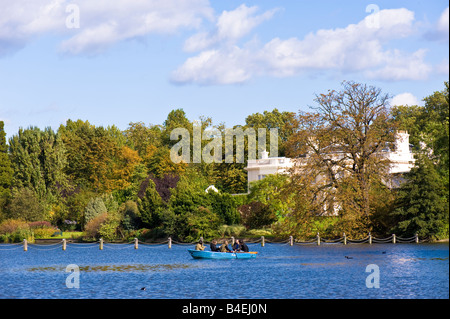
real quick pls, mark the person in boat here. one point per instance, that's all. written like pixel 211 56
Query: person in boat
pixel 213 246
pixel 236 246
pixel 224 248
pixel 244 247
pixel 199 245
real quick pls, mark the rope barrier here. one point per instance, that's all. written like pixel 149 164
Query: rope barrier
pixel 116 245
pixel 11 246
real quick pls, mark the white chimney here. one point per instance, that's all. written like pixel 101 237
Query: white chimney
pixel 402 142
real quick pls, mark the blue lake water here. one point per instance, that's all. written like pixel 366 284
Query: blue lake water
pixel 279 272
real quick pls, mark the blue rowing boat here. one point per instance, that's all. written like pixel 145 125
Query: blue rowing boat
pixel 202 254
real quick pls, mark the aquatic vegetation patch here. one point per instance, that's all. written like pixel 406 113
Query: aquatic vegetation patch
pixel 117 268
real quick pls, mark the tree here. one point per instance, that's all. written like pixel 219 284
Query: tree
pixel 140 137
pixel 94 208
pixel 274 119
pixel 199 222
pixel 6 171
pixel 25 205
pixel 256 215
pixel 269 191
pixel 150 205
pixel 224 205
pixel 422 203
pixel 339 145
pixel 130 215
pixel 39 160
pixel 99 158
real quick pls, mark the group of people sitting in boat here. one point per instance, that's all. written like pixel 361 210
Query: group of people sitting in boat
pixel 238 246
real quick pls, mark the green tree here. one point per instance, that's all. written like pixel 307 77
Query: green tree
pixel 269 191
pixel 422 203
pixel 224 205
pixel 429 129
pixel 94 208
pixel 130 215
pixel 256 215
pixel 282 121
pixel 6 171
pixel 150 206
pixel 140 137
pixel 25 205
pixel 199 222
pixel 39 160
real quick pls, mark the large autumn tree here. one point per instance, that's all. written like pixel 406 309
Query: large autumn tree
pixel 99 158
pixel 338 146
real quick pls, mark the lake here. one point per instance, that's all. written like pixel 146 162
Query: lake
pixel 403 271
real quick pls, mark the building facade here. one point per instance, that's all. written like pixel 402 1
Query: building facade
pixel 400 155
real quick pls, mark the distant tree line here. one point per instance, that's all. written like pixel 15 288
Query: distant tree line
pixel 119 184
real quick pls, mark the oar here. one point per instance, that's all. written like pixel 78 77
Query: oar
pixel 246 252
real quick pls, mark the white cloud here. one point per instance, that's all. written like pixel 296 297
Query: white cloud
pixel 440 30
pixel 443 23
pixel 102 22
pixel 355 48
pixel 404 99
pixel 443 67
pixel 215 67
pixel 230 27
pixel 398 66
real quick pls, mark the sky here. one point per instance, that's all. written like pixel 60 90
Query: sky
pixel 113 62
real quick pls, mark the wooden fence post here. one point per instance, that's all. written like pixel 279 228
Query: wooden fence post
pixel 170 242
pixel 291 240
pixel 318 239
pixel 25 245
pixel 417 238
pixel 262 241
pixel 370 239
pixel 393 238
pixel 64 244
pixel 101 244
pixel 136 244
pixel 345 239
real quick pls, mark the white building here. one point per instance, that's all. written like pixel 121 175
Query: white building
pixel 401 157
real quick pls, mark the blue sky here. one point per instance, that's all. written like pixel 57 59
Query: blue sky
pixel 135 60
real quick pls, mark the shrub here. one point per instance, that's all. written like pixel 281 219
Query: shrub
pixel 199 223
pixel 94 208
pixel 104 225
pixel 256 215
pixel 92 228
pixel 11 225
pixel 233 230
pixel 130 215
pixel 40 224
pixel 44 232
pixel 25 205
pixel 108 228
pixel 15 230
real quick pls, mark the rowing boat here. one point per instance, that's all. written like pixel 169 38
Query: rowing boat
pixel 201 254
